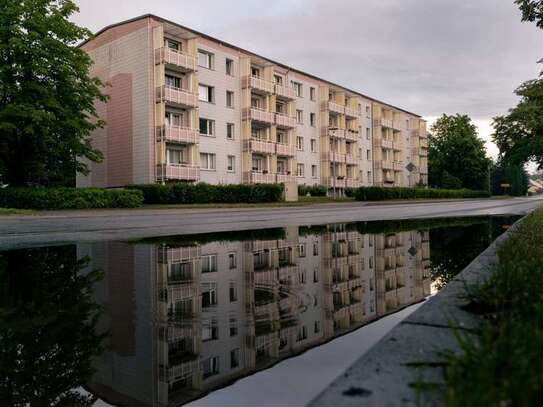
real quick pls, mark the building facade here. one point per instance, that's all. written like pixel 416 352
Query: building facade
pixel 188 107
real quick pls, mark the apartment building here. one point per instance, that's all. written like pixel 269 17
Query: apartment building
pixel 188 107
pixel 186 317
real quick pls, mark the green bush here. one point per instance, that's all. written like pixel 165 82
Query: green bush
pixel 313 190
pixel 381 194
pixel 69 198
pixel 185 193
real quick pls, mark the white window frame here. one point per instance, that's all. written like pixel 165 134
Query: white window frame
pixel 209 59
pixel 300 170
pixel 210 127
pixel 206 93
pixel 230 96
pixel 231 163
pixel 208 161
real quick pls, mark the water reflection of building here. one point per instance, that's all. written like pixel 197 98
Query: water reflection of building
pixel 196 317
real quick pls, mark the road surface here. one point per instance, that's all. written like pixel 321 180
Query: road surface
pixel 71 226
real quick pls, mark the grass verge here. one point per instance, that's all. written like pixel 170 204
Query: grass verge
pixel 504 366
pixel 12 211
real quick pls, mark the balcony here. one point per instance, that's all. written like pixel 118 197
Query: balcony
pixel 258 84
pixel 424 142
pixel 336 133
pixel 285 178
pixel 178 254
pixel 388 123
pixel 336 107
pixel 260 146
pixel 385 144
pixel 184 62
pixel 177 134
pixel 333 157
pixel 398 165
pixel 283 120
pixel 339 182
pixel 352 183
pixel 285 150
pixel 258 115
pixel 259 178
pixel 351 135
pixel 285 92
pixel 423 152
pixel 178 172
pixel 351 159
pixel 385 165
pixel 351 112
pixel 177 96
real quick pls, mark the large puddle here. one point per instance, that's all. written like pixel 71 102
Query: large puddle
pixel 166 321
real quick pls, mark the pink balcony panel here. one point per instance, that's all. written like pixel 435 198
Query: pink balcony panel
pixel 351 135
pixel 285 149
pixel 336 107
pixel 285 121
pixel 351 159
pixel 177 254
pixel 351 183
pixel 259 115
pixel 177 58
pixel 285 178
pixel 285 92
pixel 259 84
pixel 398 165
pixel 351 112
pixel 260 146
pixel 177 96
pixel 178 134
pixel 339 183
pixel 178 172
pixel 333 157
pixel 337 133
pixel 259 178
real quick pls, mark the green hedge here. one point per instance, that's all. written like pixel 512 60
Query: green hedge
pixel 184 193
pixel 69 198
pixel 381 194
pixel 313 190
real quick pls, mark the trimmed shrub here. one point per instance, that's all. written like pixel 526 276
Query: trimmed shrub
pixel 381 194
pixel 69 198
pixel 349 192
pixel 185 193
pixel 313 190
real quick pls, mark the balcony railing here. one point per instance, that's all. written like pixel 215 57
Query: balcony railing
pixel 285 150
pixel 351 159
pixel 386 144
pixel 260 146
pixel 424 142
pixel 177 134
pixel 259 84
pixel 423 152
pixel 178 172
pixel 351 112
pixel 285 178
pixel 336 107
pixel 398 165
pixel 388 123
pixel 283 120
pixel 336 133
pixel 351 135
pixel 259 178
pixel 178 254
pixel 177 58
pixel 352 183
pixel 177 96
pixel 285 92
pixel 339 182
pixel 385 165
pixel 333 157
pixel 398 145
pixel 259 115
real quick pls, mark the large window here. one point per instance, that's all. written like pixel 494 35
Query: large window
pixel 230 131
pixel 172 44
pixel 173 81
pixel 298 88
pixel 206 93
pixel 209 295
pixel 205 59
pixel 312 94
pixel 231 164
pixel 207 127
pixel 229 98
pixel 313 145
pixel 314 171
pixel 177 156
pixel 258 164
pixel 210 367
pixel 229 67
pixel 313 119
pixel 300 116
pixel 300 170
pixel 207 162
pixel 300 143
pixel 173 119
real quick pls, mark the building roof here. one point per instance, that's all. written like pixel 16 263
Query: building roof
pixel 149 15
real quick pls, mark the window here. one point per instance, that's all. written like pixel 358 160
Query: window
pixel 209 263
pixel 302 333
pixel 173 119
pixel 210 367
pixel 369 176
pixel 231 166
pixel 314 171
pixel 258 164
pixel 316 275
pixel 317 327
pixel 172 44
pixel 298 88
pixel 233 292
pixel 232 261
pixel 229 98
pixel 300 116
pixel 229 67
pixel 312 93
pixel 173 81
pixel 234 358
pixel 209 297
pixel 315 249
pixel 280 108
pixel 255 72
pixel 301 277
pixel 300 143
pixel 207 162
pixel 281 137
pixel 367 110
pixel 177 156
pixel 230 131
pixel 301 250
pixel 233 327
pixel 281 166
pixel 313 145
pixel 205 59
pixel 278 79
pixel 368 134
pixel 210 330
pixel 312 119
pixel 206 93
pixel 300 170
pixel 368 154
pixel 207 127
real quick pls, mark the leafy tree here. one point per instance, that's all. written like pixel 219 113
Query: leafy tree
pixel 512 174
pixel 48 329
pixel 457 157
pixel 46 95
pixel 519 134
pixel 532 10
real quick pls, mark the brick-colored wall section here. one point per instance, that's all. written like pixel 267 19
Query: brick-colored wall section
pixel 119 131
pixel 114 33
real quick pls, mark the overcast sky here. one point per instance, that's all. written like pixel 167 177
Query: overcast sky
pixel 427 56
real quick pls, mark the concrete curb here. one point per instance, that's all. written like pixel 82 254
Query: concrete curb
pixel 409 353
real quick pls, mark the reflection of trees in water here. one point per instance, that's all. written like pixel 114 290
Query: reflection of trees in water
pixel 47 327
pixel 453 248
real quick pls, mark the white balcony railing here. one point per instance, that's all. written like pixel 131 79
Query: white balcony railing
pixel 178 134
pixel 178 172
pixel 336 107
pixel 285 92
pixel 259 178
pixel 352 183
pixel 398 165
pixel 351 112
pixel 178 254
pixel 285 178
pixel 260 146
pixel 333 157
pixel 259 84
pixel 351 135
pixel 351 159
pixel 177 58
pixel 283 120
pixel 285 150
pixel 177 96
pixel 336 133
pixel 259 115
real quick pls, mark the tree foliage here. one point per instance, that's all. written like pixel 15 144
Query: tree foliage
pixel 457 157
pixel 513 174
pixel 47 98
pixel 532 10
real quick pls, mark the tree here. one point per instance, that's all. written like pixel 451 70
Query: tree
pixel 47 98
pixel 532 10
pixel 457 157
pixel 513 174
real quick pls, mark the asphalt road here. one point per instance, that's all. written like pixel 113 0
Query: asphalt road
pixel 70 226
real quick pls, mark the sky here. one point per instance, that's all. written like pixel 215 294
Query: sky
pixel 426 56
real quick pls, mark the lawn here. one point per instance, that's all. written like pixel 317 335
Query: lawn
pixel 11 211
pixel 504 366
